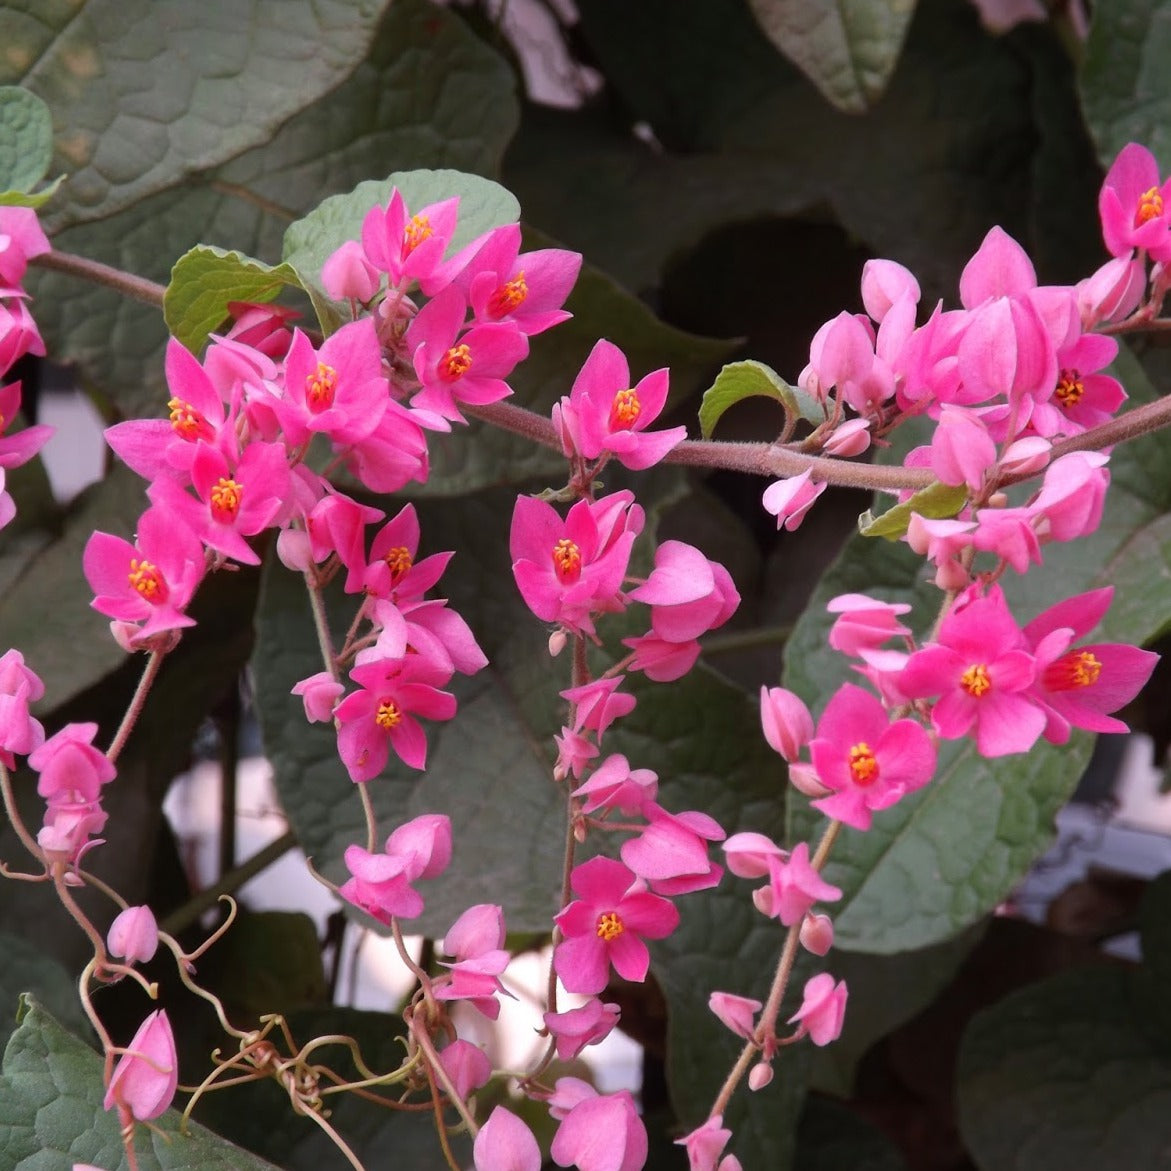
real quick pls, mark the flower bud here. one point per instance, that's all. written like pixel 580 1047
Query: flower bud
pixel 1026 456
pixel 817 933
pixel 147 1073
pixel 134 935
pixel 760 1075
pixel 557 641
pixel 348 274
pixel 804 778
pixel 851 438
pixel 787 724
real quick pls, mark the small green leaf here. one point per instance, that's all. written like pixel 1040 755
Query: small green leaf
pixel 936 501
pixel 204 281
pixel 24 199
pixel 26 140
pixel 1125 88
pixel 749 379
pixel 310 241
pixel 51 1114
pixel 847 48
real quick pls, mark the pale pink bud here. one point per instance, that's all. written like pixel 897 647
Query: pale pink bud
pixel 557 641
pixel 823 1009
pixel 961 448
pixel 320 694
pixel 851 438
pixel 147 1073
pixel 787 723
pixel 295 550
pixel 865 623
pixel 1111 293
pixel 738 1013
pixel 760 1075
pixel 803 777
pixel 348 274
pixel 883 283
pixel 467 1065
pixel 748 854
pixel 789 500
pixel 134 935
pixel 1026 456
pixel 505 1144
pixel 817 933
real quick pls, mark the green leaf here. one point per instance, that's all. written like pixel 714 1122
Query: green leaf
pixel 847 48
pixel 23 199
pixel 748 379
pixel 410 104
pixel 1126 93
pixel 26 139
pixel 1066 1075
pixel 936 501
pixel 51 1112
pixel 27 969
pixel 144 92
pixel 310 241
pixel 205 280
pixel 834 1138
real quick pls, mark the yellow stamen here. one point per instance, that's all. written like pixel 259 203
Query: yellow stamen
pixel 567 559
pixel 187 422
pixel 416 231
pixel 1150 206
pixel 863 764
pixel 624 410
pixel 225 499
pixel 510 294
pixel 320 387
pixel 610 926
pixel 975 680
pixel 1070 389
pixel 455 363
pixel 398 560
pixel 388 715
pixel 147 580
pixel 1076 669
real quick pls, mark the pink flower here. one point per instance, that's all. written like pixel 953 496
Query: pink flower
pixel 381 883
pixel 19 686
pixel 573 1030
pixel 614 785
pixel 21 239
pixel 134 935
pixel 794 886
pixel 750 855
pixel 688 594
pixel 505 1144
pixel 527 288
pixel 606 925
pixel 817 933
pixel 789 500
pixel 568 570
pixel 147 1074
pixel 604 413
pixel 19 448
pixel 410 247
pixel 599 703
pixel 476 940
pixel 823 1008
pixel 1133 205
pixel 706 1144
pixel 320 694
pixel 381 715
pixel 738 1013
pixel 69 828
pixel 348 275
pixel 70 767
pixel 787 724
pixel 457 367
pixel 467 1065
pixel 982 673
pixel 601 1133
pixel 671 852
pixel 1078 686
pixel 150 582
pixel 865 623
pixel 867 761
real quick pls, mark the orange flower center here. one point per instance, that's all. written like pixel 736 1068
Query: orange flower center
pixel 1150 206
pixel 416 231
pixel 863 764
pixel 1070 389
pixel 455 363
pixel 320 387
pixel 610 926
pixel 187 422
pixel 398 560
pixel 147 580
pixel 1076 669
pixel 510 294
pixel 388 715
pixel 975 680
pixel 567 559
pixel 225 499
pixel 624 410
